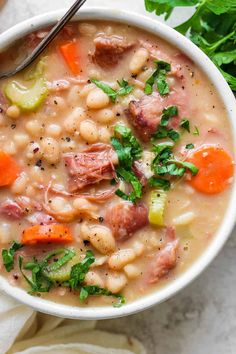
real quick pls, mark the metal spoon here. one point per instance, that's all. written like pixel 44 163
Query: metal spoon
pixel 48 39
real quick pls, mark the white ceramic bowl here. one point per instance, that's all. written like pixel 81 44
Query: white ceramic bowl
pixel 224 231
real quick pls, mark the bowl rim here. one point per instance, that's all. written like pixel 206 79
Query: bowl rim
pixel 204 63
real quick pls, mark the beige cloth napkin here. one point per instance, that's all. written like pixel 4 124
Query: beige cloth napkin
pixel 27 332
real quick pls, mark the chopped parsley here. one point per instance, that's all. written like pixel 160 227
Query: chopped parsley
pixel 189 146
pixel 185 124
pixel 158 78
pixel 163 131
pixel 40 281
pixel 128 150
pixel 125 88
pixel 8 255
pixel 159 183
pixel 196 131
pixel 95 290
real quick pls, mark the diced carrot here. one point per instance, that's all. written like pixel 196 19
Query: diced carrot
pixel 70 54
pixel 57 233
pixel 9 170
pixel 216 167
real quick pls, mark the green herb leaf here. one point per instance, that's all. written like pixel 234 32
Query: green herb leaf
pixel 94 290
pixel 106 89
pixel 79 270
pixel 158 77
pixel 8 256
pixel 173 135
pixel 185 124
pixel 68 255
pixel 186 165
pixel 189 146
pixel 168 113
pixel 159 183
pixel 130 177
pixel 125 88
pixel 196 131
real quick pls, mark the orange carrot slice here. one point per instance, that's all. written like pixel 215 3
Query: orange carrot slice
pixel 215 166
pixel 9 170
pixel 57 233
pixel 69 52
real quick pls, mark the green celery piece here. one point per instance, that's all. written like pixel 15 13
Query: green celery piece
pixel 156 207
pixel 28 99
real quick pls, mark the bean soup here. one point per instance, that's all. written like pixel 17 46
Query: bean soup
pixel 116 165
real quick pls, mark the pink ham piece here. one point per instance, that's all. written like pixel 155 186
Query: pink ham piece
pixel 145 114
pixel 126 218
pixel 40 218
pixel 11 210
pixel 138 171
pixel 165 260
pixel 91 166
pixel 110 50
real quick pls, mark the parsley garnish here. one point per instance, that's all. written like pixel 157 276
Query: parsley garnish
pixel 211 27
pixel 189 146
pixel 159 183
pixel 196 131
pixel 185 124
pixel 125 88
pixel 128 150
pixel 79 270
pixel 162 130
pixel 94 290
pixel 158 77
pixel 8 256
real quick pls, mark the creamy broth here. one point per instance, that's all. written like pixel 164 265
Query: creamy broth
pixel 68 163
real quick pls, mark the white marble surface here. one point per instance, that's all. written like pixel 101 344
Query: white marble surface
pixel 202 318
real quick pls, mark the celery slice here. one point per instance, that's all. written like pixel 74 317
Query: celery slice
pixel 156 207
pixel 27 99
pixel 62 274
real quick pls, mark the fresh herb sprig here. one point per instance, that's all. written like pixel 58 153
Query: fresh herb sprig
pixel 163 131
pixel 125 89
pixel 128 150
pixel 158 78
pixel 40 281
pixel 165 166
pixel 212 28
pixel 8 255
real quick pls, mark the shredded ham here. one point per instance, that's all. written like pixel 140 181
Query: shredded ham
pixel 91 166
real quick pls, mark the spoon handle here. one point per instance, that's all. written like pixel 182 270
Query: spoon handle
pixel 48 39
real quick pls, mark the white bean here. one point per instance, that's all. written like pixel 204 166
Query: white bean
pixel 21 140
pixel 33 151
pixel 93 278
pixel 73 95
pixel 97 99
pixel 36 174
pixel 104 135
pixel 34 127
pixel 82 204
pixel 68 146
pixel 131 271
pixel 88 131
pixel 59 103
pixel 13 112
pixel 100 237
pixel 138 60
pixel 20 184
pixel 138 248
pixel 5 233
pixel 54 130
pixel 72 122
pixel 116 282
pixel 10 148
pixel 184 219
pixel 86 89
pixel 105 116
pixel 51 150
pixel 60 204
pixel 121 258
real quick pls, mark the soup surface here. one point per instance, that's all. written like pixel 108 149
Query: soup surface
pixel 115 165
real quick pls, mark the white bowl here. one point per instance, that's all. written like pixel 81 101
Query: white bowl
pixel 226 95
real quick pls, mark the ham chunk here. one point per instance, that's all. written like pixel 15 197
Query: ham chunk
pixel 110 50
pixel 126 218
pixel 145 114
pixel 11 210
pixel 90 166
pixel 165 260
